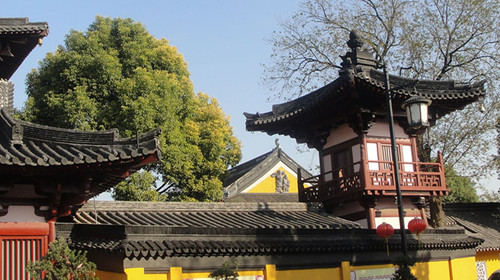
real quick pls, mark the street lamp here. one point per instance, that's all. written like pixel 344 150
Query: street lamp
pixel 416 112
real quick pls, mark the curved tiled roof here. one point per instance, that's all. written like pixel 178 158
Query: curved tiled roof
pixel 142 230
pixel 210 215
pixel 302 106
pixel 83 163
pixel 446 96
pixel 480 220
pixel 11 26
pixel 22 36
pixel 27 144
pixel 279 244
pixel 433 90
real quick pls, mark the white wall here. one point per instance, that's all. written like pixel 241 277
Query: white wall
pixel 21 214
pixel 381 129
pixel 339 135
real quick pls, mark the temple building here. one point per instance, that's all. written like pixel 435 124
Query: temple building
pixel 294 240
pixel 271 177
pixel 346 122
pixel 47 172
pixel 48 175
pixel 265 241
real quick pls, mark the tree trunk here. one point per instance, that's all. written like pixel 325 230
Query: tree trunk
pixel 435 202
pixel 436 211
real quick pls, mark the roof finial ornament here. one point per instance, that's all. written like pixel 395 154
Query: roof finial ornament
pixel 355 40
pixel 277 142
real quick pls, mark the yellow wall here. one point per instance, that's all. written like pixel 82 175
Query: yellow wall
pixel 455 269
pixel 268 185
pixel 463 268
pixel 309 274
pixel 492 260
pixel 432 270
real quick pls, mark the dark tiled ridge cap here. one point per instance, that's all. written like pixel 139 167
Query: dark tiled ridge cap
pixel 14 26
pixel 488 206
pixel 37 132
pixel 434 90
pixel 343 241
pixel 26 144
pixel 134 206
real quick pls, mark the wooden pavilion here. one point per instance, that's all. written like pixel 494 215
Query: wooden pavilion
pixel 346 121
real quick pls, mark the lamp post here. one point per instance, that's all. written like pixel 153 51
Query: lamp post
pixel 390 116
pixel 416 112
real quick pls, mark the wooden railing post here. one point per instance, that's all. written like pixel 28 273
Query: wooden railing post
pixel 441 169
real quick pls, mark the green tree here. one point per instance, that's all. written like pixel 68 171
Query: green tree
pixel 138 187
pixel 225 272
pixel 61 262
pixel 423 39
pixel 462 188
pixel 117 75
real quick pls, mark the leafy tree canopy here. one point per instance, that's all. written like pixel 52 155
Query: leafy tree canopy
pixel 117 75
pixel 225 272
pixel 462 188
pixel 138 187
pixel 422 39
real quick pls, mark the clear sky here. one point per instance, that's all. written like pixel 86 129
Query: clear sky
pixel 222 41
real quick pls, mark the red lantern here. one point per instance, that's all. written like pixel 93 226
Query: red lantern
pixel 416 225
pixel 385 231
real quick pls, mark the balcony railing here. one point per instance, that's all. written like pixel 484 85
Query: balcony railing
pixel 374 178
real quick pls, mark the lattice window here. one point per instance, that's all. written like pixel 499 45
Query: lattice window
pixel 481 271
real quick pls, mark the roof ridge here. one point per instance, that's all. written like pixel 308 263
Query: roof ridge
pixel 195 206
pixel 39 132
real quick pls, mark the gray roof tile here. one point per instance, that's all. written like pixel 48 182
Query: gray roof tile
pixel 27 144
pixel 22 37
pixel 210 215
pixel 155 230
pixel 480 220
pixel 21 26
pixel 293 117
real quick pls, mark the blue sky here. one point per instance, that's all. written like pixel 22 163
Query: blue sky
pixel 222 41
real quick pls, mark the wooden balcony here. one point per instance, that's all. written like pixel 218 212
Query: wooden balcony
pixel 374 178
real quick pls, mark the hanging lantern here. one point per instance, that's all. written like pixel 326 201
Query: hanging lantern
pixel 385 231
pixel 416 111
pixel 417 226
